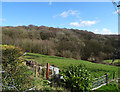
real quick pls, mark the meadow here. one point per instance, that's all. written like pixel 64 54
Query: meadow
pixel 96 69
pixel 110 61
pixel 110 87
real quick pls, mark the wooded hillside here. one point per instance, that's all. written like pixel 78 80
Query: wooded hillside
pixel 70 43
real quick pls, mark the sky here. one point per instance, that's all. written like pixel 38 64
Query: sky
pixel 97 17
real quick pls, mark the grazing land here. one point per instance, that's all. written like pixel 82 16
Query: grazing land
pixel 110 61
pixel 62 63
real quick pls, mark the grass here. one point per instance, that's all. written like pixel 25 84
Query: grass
pixel 110 61
pixel 62 63
pixel 112 87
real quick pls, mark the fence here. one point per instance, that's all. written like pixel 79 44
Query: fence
pixel 45 72
pixel 101 81
pixel 97 82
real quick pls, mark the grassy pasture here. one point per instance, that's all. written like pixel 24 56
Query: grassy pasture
pixel 62 63
pixel 110 61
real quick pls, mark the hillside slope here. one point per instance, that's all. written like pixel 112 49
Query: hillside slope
pixel 70 43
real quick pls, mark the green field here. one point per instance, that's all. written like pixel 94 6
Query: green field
pixel 110 61
pixel 62 63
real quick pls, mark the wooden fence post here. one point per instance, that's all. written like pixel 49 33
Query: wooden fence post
pixel 113 75
pixel 47 71
pixel 54 73
pixel 36 73
pixel 106 78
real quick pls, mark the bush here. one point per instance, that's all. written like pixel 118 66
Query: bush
pixel 67 54
pixel 12 64
pixel 77 78
pixel 10 55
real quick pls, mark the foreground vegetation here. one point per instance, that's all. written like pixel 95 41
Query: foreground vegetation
pixel 14 69
pixel 18 76
pixel 25 78
pixel 77 78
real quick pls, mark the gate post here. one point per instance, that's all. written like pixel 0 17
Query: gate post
pixel 106 78
pixel 47 71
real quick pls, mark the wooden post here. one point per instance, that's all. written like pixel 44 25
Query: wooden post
pixel 54 75
pixel 36 70
pixel 106 78
pixel 113 75
pixel 47 71
pixel 43 72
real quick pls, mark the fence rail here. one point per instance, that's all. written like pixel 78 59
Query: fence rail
pixel 101 81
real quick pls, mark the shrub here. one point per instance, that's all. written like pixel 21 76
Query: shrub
pixel 10 55
pixel 12 64
pixel 77 78
pixel 67 54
